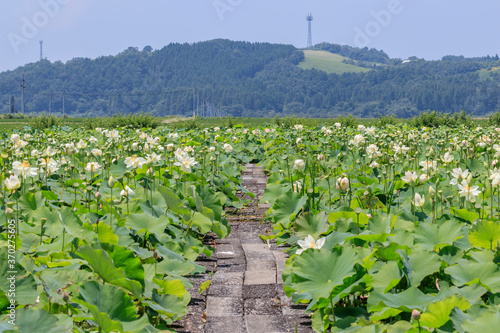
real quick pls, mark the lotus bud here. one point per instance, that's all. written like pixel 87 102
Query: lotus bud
pixel 415 314
pixel 76 185
pixel 469 178
pixel 111 182
pixel 432 191
pixel 9 211
pixel 98 195
pixel 65 297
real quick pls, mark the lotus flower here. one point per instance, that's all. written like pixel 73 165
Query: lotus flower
pixel 310 243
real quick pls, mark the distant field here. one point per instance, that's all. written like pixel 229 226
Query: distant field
pixel 328 62
pixel 486 73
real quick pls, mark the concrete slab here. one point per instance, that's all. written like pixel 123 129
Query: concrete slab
pixel 226 290
pixel 225 325
pixel 229 278
pixel 261 265
pixel 262 306
pixel 267 324
pixel 260 291
pixel 224 306
pixel 260 277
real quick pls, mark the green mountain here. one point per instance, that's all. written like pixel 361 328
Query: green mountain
pixel 255 79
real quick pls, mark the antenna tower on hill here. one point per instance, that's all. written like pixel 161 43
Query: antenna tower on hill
pixel 309 19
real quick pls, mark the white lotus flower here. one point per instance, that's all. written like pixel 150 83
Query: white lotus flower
pixel 342 184
pixel 467 191
pixel 93 167
pixel 12 183
pixel 372 151
pixel 458 175
pixel 227 148
pixel 419 200
pixel 428 166
pixel 134 162
pixel 127 192
pixel 447 158
pixel 24 169
pixel 410 177
pixel 153 158
pixel 96 152
pixel 92 140
pixel 185 162
pixel 81 144
pixel 310 243
pixel 299 164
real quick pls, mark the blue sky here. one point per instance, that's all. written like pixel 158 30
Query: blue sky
pixel 427 29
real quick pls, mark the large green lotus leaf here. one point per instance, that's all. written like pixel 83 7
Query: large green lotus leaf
pixel 378 328
pixel 436 236
pixel 380 224
pixel 408 300
pixel 125 259
pixel 391 252
pixel 401 326
pixel 401 237
pixel 333 217
pixel 118 168
pixel 26 292
pixel 487 322
pixel 487 274
pixel 173 202
pixel 464 215
pixel 104 323
pixel 30 202
pixel 171 286
pixel 421 263
pixel 169 305
pixel 71 222
pixel 139 326
pixel 485 234
pixel 386 278
pixel 318 272
pixel 273 191
pixel 103 266
pixel 438 314
pixel 147 223
pixel 177 267
pixel 203 223
pixel 109 299
pixel 106 234
pixel 286 207
pixel 30 321
pixel 310 224
pixel 211 200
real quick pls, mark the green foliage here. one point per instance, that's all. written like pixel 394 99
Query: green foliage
pixel 255 79
pixel 385 120
pixel 494 119
pixel 437 119
pixel 44 121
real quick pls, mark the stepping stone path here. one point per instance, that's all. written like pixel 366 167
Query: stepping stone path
pixel 246 293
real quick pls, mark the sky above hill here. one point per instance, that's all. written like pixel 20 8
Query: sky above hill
pixel 427 29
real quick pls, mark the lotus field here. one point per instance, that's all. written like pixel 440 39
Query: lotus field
pixel 389 229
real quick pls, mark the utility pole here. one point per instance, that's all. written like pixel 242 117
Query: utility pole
pixel 50 103
pixel 12 103
pixel 64 110
pixel 22 89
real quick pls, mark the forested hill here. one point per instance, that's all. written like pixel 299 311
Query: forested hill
pixel 255 79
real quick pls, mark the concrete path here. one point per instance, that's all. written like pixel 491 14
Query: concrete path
pixel 246 293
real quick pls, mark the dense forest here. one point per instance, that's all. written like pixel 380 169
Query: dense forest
pixel 223 77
